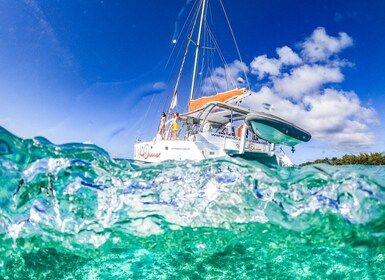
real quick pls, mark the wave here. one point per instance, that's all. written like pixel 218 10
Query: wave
pixel 75 199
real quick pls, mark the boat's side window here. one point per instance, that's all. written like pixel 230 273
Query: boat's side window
pixel 226 130
pixel 221 130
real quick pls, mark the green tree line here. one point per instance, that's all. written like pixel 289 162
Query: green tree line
pixel 363 159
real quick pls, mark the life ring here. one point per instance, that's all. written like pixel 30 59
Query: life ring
pixel 239 130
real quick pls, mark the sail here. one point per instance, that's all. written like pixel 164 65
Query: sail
pixel 173 101
pixel 221 97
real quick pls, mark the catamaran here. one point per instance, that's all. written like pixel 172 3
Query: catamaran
pixel 219 126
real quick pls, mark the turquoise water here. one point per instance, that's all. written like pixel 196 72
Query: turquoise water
pixel 72 212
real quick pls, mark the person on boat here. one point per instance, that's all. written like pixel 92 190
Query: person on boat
pixel 162 126
pixel 174 126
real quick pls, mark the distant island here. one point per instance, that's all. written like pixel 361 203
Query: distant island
pixel 362 159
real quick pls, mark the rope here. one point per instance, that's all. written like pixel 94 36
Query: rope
pixel 183 61
pixel 235 42
pixel 190 31
pixel 193 13
pixel 222 57
pixel 181 32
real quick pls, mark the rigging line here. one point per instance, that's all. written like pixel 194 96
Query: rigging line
pixel 222 57
pixel 207 51
pixel 205 75
pixel 200 80
pixel 198 46
pixel 210 74
pixel 181 31
pixel 211 64
pixel 187 39
pixel 148 108
pixel 184 40
pixel 235 42
pixel 215 43
pixel 229 78
pixel 210 59
pixel 212 82
pixel 184 57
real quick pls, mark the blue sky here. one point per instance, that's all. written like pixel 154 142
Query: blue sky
pixel 97 71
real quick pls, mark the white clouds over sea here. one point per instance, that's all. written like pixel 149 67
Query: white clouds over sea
pixel 304 87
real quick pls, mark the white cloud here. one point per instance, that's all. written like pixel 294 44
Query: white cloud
pixel 338 117
pixel 223 79
pixel 335 117
pixel 320 46
pixel 306 79
pixel 288 56
pixel 263 66
pixel 300 89
pixel 300 93
pixel 159 86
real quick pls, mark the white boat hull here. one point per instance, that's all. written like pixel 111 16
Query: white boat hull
pixel 162 150
pixel 204 146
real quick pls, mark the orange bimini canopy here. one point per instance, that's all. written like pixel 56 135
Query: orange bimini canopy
pixel 221 97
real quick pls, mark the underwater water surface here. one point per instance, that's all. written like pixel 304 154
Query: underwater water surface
pixel 72 212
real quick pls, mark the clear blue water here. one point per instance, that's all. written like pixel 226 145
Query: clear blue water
pixel 72 212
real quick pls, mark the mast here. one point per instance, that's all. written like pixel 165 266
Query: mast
pixel 204 5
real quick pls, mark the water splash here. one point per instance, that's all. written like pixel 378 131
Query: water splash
pixel 71 211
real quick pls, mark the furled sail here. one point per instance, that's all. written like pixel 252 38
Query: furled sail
pixel 173 101
pixel 221 97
